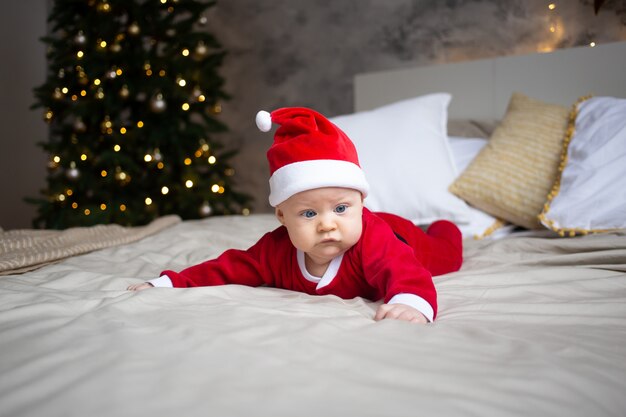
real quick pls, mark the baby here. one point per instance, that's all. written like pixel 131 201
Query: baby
pixel 329 243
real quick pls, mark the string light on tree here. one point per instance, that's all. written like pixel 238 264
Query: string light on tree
pixel 54 162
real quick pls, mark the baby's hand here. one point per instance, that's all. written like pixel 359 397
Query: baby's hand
pixel 139 287
pixel 400 312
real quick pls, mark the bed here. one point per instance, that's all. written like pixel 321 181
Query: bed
pixel 533 324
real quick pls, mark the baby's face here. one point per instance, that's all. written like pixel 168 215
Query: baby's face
pixel 324 222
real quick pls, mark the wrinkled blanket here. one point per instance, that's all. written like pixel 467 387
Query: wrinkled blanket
pixel 25 249
pixel 532 325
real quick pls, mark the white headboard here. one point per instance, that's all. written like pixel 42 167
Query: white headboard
pixel 481 89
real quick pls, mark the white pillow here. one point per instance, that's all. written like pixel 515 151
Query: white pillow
pixel 403 150
pixel 464 150
pixel 591 193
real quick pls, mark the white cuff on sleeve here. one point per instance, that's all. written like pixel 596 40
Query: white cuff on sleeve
pixel 163 281
pixel 416 302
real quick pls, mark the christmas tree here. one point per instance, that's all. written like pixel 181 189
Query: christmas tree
pixel 132 97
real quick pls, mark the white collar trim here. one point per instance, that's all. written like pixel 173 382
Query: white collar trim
pixel 329 275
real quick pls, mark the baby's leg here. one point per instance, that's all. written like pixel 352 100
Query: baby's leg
pixel 446 247
pixel 439 249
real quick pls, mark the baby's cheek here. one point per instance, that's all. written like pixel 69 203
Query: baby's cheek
pixel 301 237
pixel 354 233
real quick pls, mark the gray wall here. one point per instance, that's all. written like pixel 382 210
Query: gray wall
pixel 306 52
pixel 297 52
pixel 22 163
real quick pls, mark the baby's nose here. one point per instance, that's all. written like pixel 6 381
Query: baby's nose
pixel 326 224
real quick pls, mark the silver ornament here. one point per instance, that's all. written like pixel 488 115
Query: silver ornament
pixel 80 38
pixel 205 209
pixel 124 92
pixel 134 29
pixel 196 92
pixel 158 104
pixel 73 173
pixel 201 50
pixel 57 95
pixel 79 125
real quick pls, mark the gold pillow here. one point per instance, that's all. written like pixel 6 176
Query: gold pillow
pixel 513 175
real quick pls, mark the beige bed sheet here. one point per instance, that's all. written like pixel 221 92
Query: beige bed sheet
pixel 531 326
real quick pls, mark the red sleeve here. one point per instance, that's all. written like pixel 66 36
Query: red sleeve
pixel 244 267
pixel 390 265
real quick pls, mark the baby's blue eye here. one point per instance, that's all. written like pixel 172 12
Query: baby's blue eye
pixel 309 214
pixel 341 208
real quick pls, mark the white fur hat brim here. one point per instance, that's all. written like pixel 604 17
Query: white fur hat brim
pixel 308 175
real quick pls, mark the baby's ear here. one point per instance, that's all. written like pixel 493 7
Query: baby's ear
pixel 280 215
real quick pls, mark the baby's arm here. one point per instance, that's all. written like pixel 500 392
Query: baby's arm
pixel 400 312
pixel 162 281
pixel 139 287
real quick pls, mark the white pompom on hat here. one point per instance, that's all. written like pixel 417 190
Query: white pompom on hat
pixel 263 121
pixel 308 152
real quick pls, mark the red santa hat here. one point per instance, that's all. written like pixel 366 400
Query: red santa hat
pixel 308 152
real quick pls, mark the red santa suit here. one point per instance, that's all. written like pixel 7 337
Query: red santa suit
pixel 393 260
